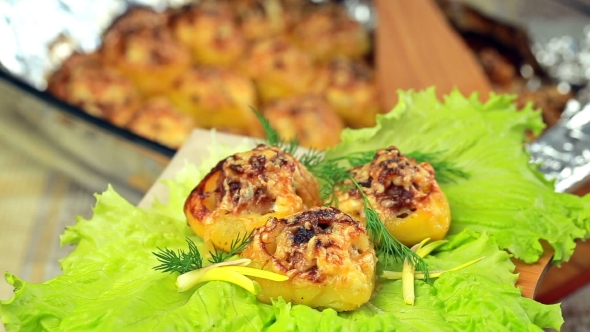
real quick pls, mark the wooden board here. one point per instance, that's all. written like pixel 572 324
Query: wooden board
pixel 416 48
pixel 197 148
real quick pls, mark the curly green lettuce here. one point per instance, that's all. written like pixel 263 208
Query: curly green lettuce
pixel 504 194
pixel 108 282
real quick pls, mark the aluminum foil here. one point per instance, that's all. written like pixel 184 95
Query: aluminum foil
pixel 563 152
pixel 37 36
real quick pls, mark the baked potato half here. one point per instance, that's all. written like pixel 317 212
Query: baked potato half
pixel 301 116
pixel 244 190
pixel 404 193
pixel 327 255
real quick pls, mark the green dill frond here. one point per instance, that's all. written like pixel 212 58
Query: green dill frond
pixel 330 175
pixel 311 159
pixel 361 158
pixel 179 261
pixel 272 135
pixel 237 245
pixel 386 245
pixel 445 171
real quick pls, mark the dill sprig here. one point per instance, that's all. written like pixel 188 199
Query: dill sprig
pixel 311 158
pixel 360 158
pixel 237 245
pixel 182 261
pixel 272 135
pixel 445 171
pixel 179 261
pixel 386 245
pixel 333 171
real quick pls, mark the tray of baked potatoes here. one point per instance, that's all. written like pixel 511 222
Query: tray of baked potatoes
pixel 128 81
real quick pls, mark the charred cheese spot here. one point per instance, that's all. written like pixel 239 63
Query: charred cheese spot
pixel 244 190
pixel 404 193
pixel 327 255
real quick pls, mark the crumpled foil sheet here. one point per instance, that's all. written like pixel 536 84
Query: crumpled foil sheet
pixel 37 36
pixel 563 152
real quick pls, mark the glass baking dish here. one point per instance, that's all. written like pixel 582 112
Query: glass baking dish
pixel 37 42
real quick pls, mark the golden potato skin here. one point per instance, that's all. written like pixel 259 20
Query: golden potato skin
pixel 217 98
pixel 351 88
pixel 158 120
pixel 84 81
pixel 210 31
pixel 279 69
pixel 327 255
pixel 327 31
pixel 140 45
pixel 244 190
pixel 301 116
pixel 404 194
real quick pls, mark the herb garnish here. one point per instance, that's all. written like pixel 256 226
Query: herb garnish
pixel 386 245
pixel 190 266
pixel 237 245
pixel 272 135
pixel 183 262
pixel 180 261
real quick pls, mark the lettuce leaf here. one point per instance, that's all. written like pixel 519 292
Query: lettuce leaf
pixel 108 283
pixel 504 195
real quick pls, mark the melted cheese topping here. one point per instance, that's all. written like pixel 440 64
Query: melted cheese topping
pixel 327 255
pixel 351 88
pixel 260 19
pixel 300 117
pixel 244 190
pixel 279 68
pixel 160 121
pixel 210 31
pixel 327 32
pixel 141 46
pixel 405 195
pixel 84 81
pixel 217 97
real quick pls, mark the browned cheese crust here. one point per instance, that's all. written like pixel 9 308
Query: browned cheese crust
pixel 158 120
pixel 351 88
pixel 327 255
pixel 404 193
pixel 244 190
pixel 327 31
pixel 84 81
pixel 141 46
pixel 279 68
pixel 217 98
pixel 308 118
pixel 260 19
pixel 211 32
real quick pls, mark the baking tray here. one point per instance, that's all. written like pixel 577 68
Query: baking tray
pixel 117 154
pixel 36 42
